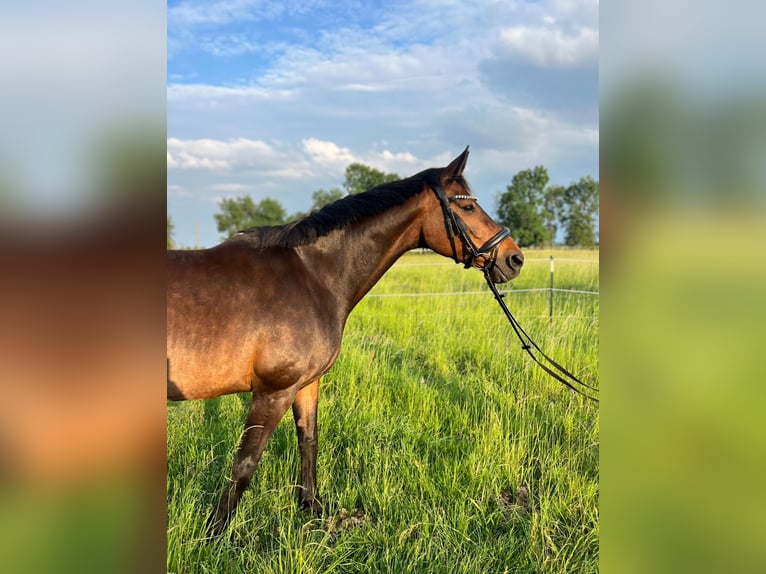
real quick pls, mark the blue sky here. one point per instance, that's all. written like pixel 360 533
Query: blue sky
pixel 276 99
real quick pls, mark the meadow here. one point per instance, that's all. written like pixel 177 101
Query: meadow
pixel 442 446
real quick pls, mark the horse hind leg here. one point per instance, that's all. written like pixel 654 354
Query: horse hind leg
pixel 305 414
pixel 266 411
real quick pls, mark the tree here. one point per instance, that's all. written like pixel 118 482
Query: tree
pixel 553 205
pixel 242 213
pixel 520 207
pixel 580 209
pixel 319 199
pixel 322 197
pixel 360 178
pixel 269 212
pixel 171 230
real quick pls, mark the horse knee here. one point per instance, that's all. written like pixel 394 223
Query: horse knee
pixel 243 470
pixel 308 440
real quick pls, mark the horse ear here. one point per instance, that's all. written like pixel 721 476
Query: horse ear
pixel 456 167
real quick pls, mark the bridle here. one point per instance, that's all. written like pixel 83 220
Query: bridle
pixel 456 227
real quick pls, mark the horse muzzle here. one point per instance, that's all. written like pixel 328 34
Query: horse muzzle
pixel 506 267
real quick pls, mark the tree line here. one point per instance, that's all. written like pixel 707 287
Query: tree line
pixel 532 209
pixel 535 211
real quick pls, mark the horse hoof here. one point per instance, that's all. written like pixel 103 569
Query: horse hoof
pixel 314 506
pixel 215 526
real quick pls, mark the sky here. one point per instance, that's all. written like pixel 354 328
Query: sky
pixel 273 99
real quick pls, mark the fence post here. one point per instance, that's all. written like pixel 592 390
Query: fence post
pixel 550 305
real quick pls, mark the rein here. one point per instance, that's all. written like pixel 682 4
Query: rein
pixel 455 226
pixel 528 344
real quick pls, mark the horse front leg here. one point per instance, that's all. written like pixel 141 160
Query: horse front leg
pixel 305 414
pixel 266 411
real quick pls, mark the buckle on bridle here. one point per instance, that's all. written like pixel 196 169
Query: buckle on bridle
pixel 491 246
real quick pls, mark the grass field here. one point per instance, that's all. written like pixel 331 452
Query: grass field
pixel 442 447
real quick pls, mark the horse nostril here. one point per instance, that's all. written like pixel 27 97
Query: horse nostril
pixel 517 260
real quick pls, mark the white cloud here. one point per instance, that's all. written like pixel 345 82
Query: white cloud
pixel 544 135
pixel 214 154
pixel 546 46
pixel 404 157
pixel 230 187
pixel 195 13
pixel 403 163
pixel 311 159
pixel 230 45
pixel 180 191
pixel 210 93
pixel 373 87
pixel 325 152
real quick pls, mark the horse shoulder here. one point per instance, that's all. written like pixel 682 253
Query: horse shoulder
pixel 300 324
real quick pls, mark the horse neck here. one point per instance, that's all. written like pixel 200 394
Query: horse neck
pixel 350 261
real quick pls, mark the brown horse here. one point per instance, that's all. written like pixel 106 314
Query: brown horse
pixel 264 311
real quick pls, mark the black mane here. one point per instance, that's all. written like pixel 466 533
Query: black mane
pixel 342 213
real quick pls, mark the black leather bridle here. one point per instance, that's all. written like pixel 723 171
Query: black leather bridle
pixel 456 227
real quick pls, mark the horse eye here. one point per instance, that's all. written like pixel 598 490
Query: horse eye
pixel 469 208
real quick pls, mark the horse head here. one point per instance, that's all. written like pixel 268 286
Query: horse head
pixel 456 226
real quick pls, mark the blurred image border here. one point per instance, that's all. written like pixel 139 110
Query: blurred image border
pixel 682 150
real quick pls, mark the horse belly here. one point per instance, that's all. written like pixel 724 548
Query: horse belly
pixel 295 359
pixel 204 375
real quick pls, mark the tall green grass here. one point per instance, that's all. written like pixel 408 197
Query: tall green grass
pixel 443 448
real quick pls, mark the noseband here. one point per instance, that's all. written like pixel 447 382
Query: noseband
pixel 455 226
